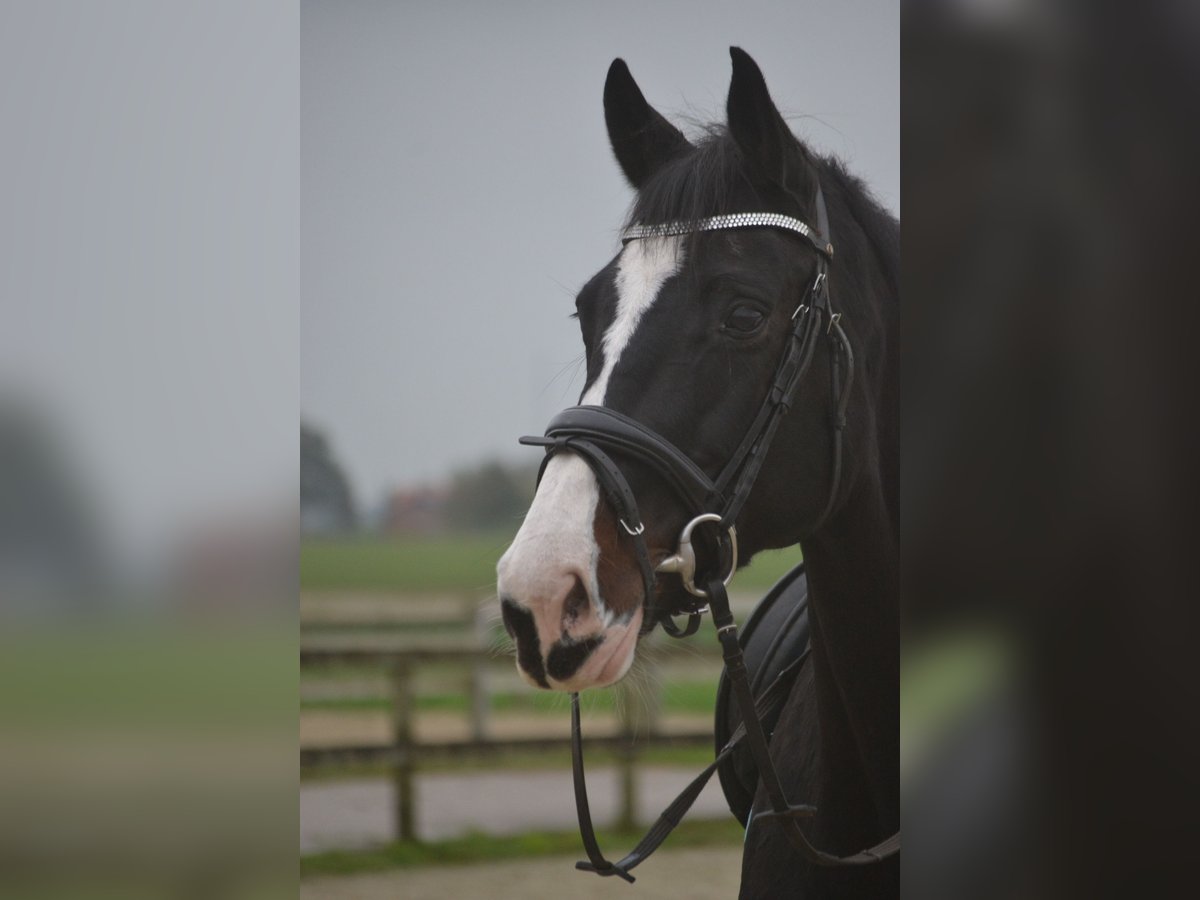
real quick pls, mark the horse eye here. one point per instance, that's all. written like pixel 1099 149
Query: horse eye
pixel 744 320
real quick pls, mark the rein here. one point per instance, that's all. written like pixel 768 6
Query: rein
pixel 594 431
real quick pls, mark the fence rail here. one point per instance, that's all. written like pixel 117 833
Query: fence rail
pixel 404 754
pixel 369 754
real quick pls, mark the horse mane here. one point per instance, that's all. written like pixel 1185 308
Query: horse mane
pixel 695 185
pixel 880 227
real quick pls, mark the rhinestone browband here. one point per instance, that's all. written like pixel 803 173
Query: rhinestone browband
pixel 722 223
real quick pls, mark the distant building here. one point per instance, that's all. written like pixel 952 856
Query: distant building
pixel 242 563
pixel 416 511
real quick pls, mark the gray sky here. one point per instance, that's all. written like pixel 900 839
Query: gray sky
pixel 457 187
pixel 148 242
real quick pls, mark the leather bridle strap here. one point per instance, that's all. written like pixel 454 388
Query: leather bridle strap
pixel 842 395
pixel 729 492
pixel 625 435
pixel 737 478
pixel 751 711
pixel 786 813
pixel 624 503
pixel 585 429
pixel 766 705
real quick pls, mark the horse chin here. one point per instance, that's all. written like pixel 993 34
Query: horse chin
pixel 610 661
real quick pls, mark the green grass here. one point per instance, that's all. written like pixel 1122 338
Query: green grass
pixel 482 848
pixel 123 673
pixel 943 676
pixel 766 569
pixel 461 562
pixel 440 563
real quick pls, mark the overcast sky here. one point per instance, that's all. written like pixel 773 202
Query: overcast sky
pixel 457 187
pixel 148 273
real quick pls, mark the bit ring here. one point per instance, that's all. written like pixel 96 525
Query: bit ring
pixel 684 561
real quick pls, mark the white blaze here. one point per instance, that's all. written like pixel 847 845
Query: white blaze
pixel 557 534
pixel 645 265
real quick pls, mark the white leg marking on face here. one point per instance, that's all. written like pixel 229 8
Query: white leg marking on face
pixel 645 266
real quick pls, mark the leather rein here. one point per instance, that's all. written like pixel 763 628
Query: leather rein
pixel 593 432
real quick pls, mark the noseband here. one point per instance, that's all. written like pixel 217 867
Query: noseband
pixel 593 432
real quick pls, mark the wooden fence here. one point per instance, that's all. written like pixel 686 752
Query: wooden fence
pixel 459 633
pixel 404 754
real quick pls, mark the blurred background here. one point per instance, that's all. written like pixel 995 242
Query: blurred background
pixel 1049 493
pixel 149 391
pixel 458 188
pixel 409 194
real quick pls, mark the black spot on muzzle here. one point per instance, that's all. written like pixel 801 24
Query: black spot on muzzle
pixel 518 622
pixel 566 657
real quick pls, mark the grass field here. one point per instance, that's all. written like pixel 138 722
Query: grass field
pixel 460 562
pixel 480 848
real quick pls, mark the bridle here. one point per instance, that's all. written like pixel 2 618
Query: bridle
pixel 593 432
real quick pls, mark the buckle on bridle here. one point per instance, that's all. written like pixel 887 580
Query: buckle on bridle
pixel 683 563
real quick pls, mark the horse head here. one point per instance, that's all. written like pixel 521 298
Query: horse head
pixel 684 335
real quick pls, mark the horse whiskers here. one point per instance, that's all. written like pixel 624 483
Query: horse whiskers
pixel 572 364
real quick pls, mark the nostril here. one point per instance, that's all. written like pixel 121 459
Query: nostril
pixel 575 603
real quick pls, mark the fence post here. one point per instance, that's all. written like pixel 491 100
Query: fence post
pixel 481 701
pixel 629 715
pixel 402 741
pixel 654 697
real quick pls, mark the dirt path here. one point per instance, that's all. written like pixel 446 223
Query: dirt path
pixel 709 873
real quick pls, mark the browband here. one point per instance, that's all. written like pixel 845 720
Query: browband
pixel 735 220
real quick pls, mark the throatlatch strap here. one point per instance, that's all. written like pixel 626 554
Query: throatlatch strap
pixel 841 394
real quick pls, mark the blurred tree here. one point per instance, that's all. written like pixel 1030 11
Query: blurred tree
pixel 490 496
pixel 326 505
pixel 50 544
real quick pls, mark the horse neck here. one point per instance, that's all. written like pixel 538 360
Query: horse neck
pixel 853 576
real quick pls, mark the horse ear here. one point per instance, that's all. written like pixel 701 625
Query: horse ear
pixel 641 138
pixel 760 131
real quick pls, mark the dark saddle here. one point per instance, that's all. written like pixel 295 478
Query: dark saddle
pixel 775 642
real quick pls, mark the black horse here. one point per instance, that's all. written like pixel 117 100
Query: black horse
pixel 684 331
